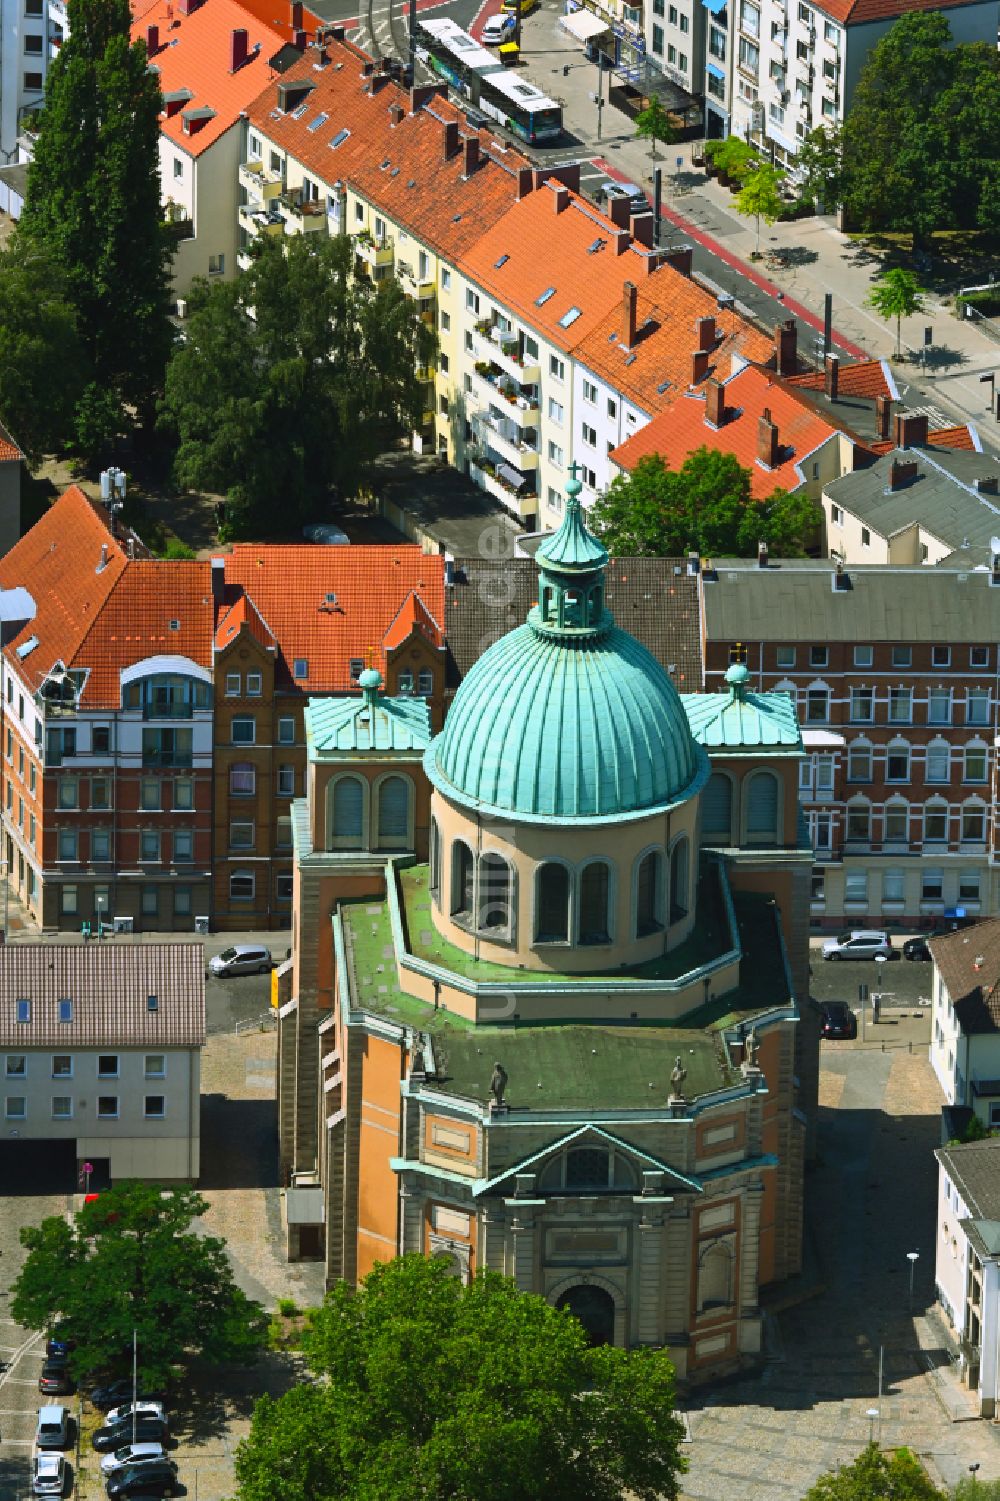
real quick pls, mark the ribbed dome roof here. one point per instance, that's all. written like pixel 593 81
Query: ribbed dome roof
pixel 542 728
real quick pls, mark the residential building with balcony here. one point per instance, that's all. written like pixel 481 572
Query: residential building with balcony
pixel 894 675
pixel 100 1058
pixel 338 146
pixel 294 625
pixel 31 33
pixel 965 1024
pixel 106 723
pixel 967 1263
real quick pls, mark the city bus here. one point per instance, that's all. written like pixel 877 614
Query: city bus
pixel 481 78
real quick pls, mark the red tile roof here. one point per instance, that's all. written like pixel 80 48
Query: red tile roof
pixel 398 164
pixel 237 615
pixel 869 378
pixel 857 12
pixel 943 437
pixel 413 615
pixel 9 451
pixel 291 586
pixel 194 56
pixel 159 608
pixel 679 431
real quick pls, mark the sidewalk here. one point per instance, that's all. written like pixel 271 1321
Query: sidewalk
pixel 822 259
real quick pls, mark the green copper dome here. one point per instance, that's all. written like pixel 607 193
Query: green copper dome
pixel 567 718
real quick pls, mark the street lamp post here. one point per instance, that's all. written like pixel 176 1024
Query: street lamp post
pixel 912 1257
pixel 99 906
pixel 871 1415
pixel 974 1471
pixel 880 962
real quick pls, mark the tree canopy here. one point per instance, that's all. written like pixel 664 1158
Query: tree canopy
pixel 93 206
pixel 128 1261
pixel 922 136
pixel 820 166
pixel 291 379
pixel 706 504
pixel 438 1391
pixel 896 294
pixel 42 362
pixel 760 195
pixel 654 124
pixel 874 1476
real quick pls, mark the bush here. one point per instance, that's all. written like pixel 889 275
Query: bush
pixel 287 1307
pixel 985 300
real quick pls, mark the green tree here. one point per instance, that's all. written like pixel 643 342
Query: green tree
pixel 654 124
pixel 284 406
pixel 760 196
pixel 129 1261
pixel 706 504
pixel 820 163
pixel 42 363
pixel 93 205
pixel 922 137
pixel 971 1488
pixel 440 1392
pixel 874 1476
pixel 896 294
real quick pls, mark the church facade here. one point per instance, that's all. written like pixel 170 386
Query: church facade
pixel 546 1007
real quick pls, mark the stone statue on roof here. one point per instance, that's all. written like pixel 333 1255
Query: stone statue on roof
pixel 751 1050
pixel 677 1078
pixel 498 1083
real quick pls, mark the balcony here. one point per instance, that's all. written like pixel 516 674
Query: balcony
pixel 260 221
pixel 415 285
pixel 504 439
pixel 519 500
pixel 244 260
pixel 262 186
pixel 494 346
pixel 494 387
pixel 302 215
pixel 166 759
pixel 376 254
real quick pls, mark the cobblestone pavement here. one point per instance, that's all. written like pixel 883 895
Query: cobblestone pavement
pixel 870 1200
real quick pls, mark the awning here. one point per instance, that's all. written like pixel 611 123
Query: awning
pixel 715 72
pixel 583 24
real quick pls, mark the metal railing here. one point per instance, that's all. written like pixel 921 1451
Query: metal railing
pixel 258 1023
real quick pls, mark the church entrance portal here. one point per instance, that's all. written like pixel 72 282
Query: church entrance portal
pixel 595 1309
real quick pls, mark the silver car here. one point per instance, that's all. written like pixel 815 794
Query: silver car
pixel 242 959
pixel 131 1454
pixel 48 1475
pixel 859 943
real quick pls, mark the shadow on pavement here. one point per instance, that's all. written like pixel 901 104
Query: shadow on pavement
pixel 239 1143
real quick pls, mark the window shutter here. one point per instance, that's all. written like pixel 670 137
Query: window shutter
pixel 762 814
pixel 393 810
pixel 717 805
pixel 347 808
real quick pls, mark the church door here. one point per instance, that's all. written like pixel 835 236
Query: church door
pixel 595 1309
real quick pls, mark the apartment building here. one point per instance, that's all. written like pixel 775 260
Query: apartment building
pixel 967 1264
pixel 101 1047
pixel 894 675
pixel 965 1024
pixel 777 69
pixel 31 32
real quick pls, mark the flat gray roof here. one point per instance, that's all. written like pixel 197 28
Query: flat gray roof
pixel 942 496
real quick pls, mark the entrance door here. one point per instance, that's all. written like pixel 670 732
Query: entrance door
pixel 595 1309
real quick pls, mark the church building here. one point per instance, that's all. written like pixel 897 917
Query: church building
pixel 546 1010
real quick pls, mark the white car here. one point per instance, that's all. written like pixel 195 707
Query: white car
pixel 131 1454
pixel 142 1410
pixel 499 28
pixel 859 943
pixel 48 1475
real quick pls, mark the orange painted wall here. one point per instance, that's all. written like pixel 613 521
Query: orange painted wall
pixel 378 1189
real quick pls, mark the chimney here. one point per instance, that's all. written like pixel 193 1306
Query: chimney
pixel 911 429
pixel 705 329
pixel 642 229
pixel 629 299
pixel 715 403
pixel 218 580
pixel 767 440
pixel 988 484
pixel 299 40
pixel 618 212
pixel 762 554
pixel 105 556
pixel 883 415
pixel 525 182
pixel 295 15
pixel 471 148
pixel 422 94
pixel 694 564
pixel 699 366
pixel 560 195
pixel 620 242
pixel 901 472
pixel 152 40
pixel 680 259
pixel 450 139
pixel 239 47
pixel 785 353
pixel 396 113
pixel 831 384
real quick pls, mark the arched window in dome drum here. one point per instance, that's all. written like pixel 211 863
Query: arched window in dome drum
pixel 552 911
pixel 435 863
pixel 595 884
pixel 762 808
pixel 393 813
pixel 494 894
pixel 679 861
pixel 463 881
pixel 717 806
pixel 572 608
pixel 346 806
pixel 648 888
pixel 715 1276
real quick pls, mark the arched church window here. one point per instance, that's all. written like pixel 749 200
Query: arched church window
pixel 762 808
pixel 552 909
pixel 346 808
pixel 494 894
pixel 463 880
pixel 648 894
pixel 595 890
pixel 680 857
pixel 588 1167
pixel 717 806
pixel 715 1277
pixel 393 813
pixel 435 862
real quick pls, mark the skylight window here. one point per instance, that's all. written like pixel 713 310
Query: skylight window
pixel 501 262
pixel 300 668
pixel 339 138
pixel 569 317
pixel 549 292
pixel 24 1011
pixel 319 120
pixel 65 1011
pixel 298 113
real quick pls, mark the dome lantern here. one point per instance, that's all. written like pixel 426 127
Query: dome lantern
pixel 571 566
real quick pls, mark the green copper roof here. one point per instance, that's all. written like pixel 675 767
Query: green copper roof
pixel 572 546
pixel 346 726
pixel 742 719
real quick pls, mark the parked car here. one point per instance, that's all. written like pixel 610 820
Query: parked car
pixel 132 1454
pixel 859 943
pixel 637 200
pixel 157 1477
pixel 48 1475
pixel 499 28
pixel 838 1020
pixel 59 1341
pixel 326 533
pixel 242 959
pixel 144 1409
pixel 55 1380
pixel 53 1427
pixel 114 1436
pixel 916 948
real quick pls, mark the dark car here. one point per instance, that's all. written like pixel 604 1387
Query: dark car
pixel 157 1477
pixel 55 1380
pixel 147 1431
pixel 59 1341
pixel 916 948
pixel 114 1393
pixel 838 1020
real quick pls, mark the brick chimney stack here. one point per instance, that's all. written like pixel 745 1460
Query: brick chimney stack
pixel 471 147
pixel 705 329
pixel 450 139
pixel 767 440
pixel 560 197
pixel 295 11
pixel 715 403
pixel 699 366
pixel 629 304
pixel 786 347
pixel 239 48
pixel 832 376
pixel 152 40
pixel 911 429
pixel 883 415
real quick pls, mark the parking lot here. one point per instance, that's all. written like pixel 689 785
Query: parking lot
pixel 905 988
